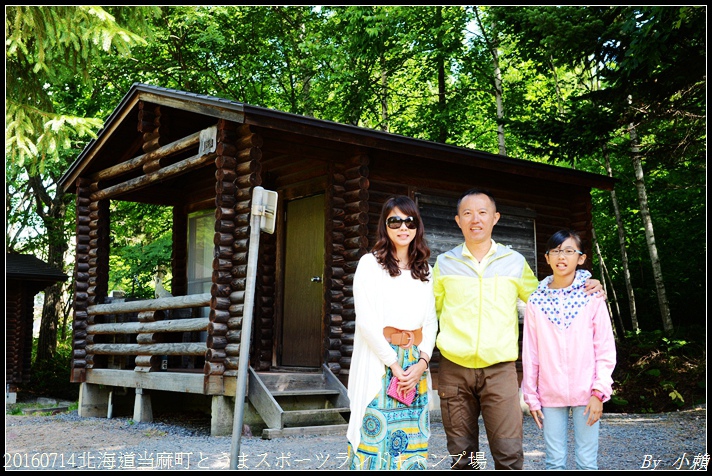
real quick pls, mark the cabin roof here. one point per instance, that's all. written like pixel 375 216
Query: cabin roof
pixel 30 268
pixel 198 111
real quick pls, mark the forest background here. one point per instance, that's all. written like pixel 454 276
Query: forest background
pixel 614 90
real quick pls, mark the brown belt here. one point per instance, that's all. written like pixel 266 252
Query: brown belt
pixel 403 338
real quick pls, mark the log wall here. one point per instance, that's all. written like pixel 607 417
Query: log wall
pixel 81 281
pixel 351 228
pixel 18 334
pixel 238 172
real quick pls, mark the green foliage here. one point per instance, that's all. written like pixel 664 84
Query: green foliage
pixel 141 244
pixel 656 372
pixel 45 49
pixel 51 377
pixel 425 72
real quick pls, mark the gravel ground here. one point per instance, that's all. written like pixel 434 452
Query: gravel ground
pixel 65 441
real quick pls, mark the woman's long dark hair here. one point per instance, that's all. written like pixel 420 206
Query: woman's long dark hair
pixel 418 250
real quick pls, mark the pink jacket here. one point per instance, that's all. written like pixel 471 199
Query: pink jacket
pixel 567 348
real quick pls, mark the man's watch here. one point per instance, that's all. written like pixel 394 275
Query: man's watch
pixel 598 394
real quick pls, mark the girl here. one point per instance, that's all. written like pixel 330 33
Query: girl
pixel 394 337
pixel 568 355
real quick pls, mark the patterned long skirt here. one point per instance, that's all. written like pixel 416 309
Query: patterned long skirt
pixel 394 435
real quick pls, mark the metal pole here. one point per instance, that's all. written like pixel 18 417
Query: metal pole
pixel 244 362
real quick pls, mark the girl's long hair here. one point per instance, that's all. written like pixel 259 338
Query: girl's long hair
pixel 418 250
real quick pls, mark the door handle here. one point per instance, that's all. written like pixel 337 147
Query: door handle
pixel 316 279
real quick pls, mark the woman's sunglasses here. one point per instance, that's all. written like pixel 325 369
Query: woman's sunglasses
pixel 395 222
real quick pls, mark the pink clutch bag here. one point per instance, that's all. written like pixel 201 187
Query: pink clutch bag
pixel 393 392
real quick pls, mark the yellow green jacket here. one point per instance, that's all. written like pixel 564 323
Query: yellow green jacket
pixel 477 314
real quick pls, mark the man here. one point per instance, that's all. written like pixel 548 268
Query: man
pixel 476 287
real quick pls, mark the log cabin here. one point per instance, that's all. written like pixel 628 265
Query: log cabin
pixel 202 156
pixel 26 275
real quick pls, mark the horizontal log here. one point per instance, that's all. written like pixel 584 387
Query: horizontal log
pixel 227 201
pixel 214 368
pixel 223 239
pixel 355 172
pixel 251 166
pixel 235 322
pixel 216 342
pixel 232 362
pixel 220 290
pixel 149 338
pixel 149 316
pixel 137 162
pixel 147 361
pixel 222 161
pixel 222 277
pixel 239 283
pixel 232 349
pixel 225 188
pixel 189 348
pixel 221 317
pixel 171 325
pixel 356 219
pixel 354 254
pixel 356 242
pixel 337 202
pixel 221 303
pixel 250 180
pixel 224 174
pixel 217 328
pixel 224 252
pixel 215 355
pixel 222 264
pixel 356 195
pixel 355 184
pixel 249 139
pixel 145 180
pixel 175 302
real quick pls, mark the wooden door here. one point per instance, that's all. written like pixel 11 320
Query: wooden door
pixel 303 283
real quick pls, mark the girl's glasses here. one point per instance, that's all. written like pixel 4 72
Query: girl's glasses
pixel 395 222
pixel 566 252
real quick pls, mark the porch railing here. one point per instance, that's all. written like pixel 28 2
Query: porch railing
pixel 148 348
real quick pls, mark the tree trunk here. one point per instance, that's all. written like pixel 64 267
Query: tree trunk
pixel 559 100
pixel 621 243
pixel 648 226
pixel 442 87
pixel 492 47
pixel 52 210
pixel 604 275
pixel 498 99
pixel 384 95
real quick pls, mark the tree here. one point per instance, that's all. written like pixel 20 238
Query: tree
pixel 49 53
pixel 617 53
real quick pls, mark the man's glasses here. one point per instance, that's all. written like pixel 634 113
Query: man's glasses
pixel 566 252
pixel 395 222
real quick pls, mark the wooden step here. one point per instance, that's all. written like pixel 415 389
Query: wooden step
pixel 315 417
pixel 309 401
pixel 298 392
pixel 269 433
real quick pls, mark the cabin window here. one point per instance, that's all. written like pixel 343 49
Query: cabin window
pixel 201 226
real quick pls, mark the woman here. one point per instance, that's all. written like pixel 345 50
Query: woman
pixel 394 337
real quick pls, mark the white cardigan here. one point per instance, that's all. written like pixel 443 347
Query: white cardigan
pixel 380 301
